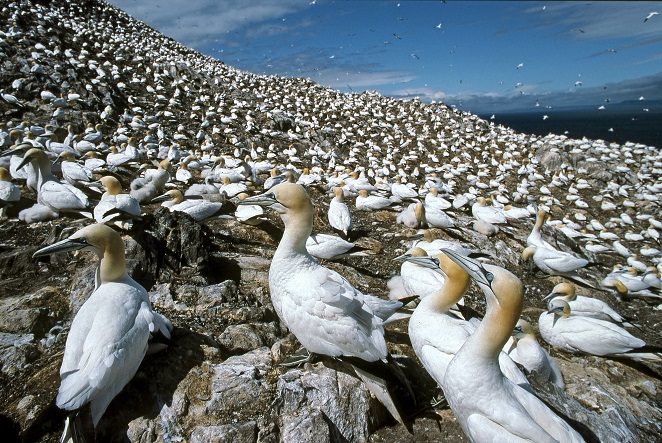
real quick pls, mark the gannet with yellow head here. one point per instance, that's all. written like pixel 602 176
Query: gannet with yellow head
pixel 109 335
pixel 320 307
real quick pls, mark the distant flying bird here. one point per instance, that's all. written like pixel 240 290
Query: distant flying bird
pixel 651 15
pixel 612 50
pixel 601 107
pixel 415 56
pixel 439 26
pixel 582 31
pixel 521 65
pixel 610 129
pixel 641 98
pixel 545 117
pixel 397 36
pixel 578 83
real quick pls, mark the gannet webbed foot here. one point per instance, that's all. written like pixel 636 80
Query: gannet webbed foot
pixel 300 357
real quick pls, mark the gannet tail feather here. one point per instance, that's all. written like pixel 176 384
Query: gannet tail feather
pixel 79 427
pixel 387 382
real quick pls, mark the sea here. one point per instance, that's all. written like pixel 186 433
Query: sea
pixel 618 126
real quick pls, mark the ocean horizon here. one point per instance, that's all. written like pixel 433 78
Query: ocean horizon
pixel 617 126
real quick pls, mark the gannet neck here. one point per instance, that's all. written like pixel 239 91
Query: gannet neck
pixel 298 227
pixel 505 298
pixel 456 284
pixel 112 266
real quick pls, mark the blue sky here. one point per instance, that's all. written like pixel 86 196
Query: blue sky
pixel 488 56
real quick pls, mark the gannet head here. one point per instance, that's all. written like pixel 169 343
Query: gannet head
pixel 282 198
pixel 96 238
pixel 420 257
pixel 112 184
pixel 522 329
pixel 528 252
pixel 174 195
pixel 565 290
pixel 497 283
pixel 32 154
pixel 558 307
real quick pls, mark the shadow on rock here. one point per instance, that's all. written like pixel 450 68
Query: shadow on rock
pixel 152 391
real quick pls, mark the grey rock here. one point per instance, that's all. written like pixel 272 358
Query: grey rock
pixel 236 433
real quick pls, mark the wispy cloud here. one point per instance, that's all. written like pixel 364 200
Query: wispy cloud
pixel 201 22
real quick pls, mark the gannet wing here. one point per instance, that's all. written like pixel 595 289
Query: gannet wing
pixel 61 196
pixel 481 428
pixel 332 318
pixel 107 342
pixel 565 262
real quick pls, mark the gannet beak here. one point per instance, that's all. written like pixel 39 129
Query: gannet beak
pixel 266 199
pixel 15 150
pixel 475 270
pixel 550 295
pixel 23 162
pixel 415 237
pixel 66 245
pixel 95 184
pixel 161 198
pixel 58 159
pixel 426 262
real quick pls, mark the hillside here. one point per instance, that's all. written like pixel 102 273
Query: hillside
pixel 221 379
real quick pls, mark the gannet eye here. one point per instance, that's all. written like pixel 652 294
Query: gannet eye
pixel 518 329
pixel 435 261
pixel 489 276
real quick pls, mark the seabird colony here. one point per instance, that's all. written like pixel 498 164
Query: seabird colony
pixel 96 101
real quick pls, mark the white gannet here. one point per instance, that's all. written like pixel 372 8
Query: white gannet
pixel 74 173
pixel 201 210
pixel 365 202
pixel 481 211
pixel 425 239
pixel 436 333
pixel 555 262
pixel 488 406
pixel 59 197
pixel 109 335
pixel 152 184
pixel 418 279
pixel 115 207
pixel 9 192
pixel 322 309
pixel 590 335
pixel 340 217
pixel 329 247
pixel 535 237
pixel 584 306
pixel 527 352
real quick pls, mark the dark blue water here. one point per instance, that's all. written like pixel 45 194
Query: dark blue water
pixel 635 126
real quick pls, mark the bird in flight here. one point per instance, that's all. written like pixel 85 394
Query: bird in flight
pixel 651 15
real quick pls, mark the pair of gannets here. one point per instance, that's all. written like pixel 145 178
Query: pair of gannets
pixel 109 335
pixel 575 333
pixel 488 406
pixel 436 333
pixel 322 309
pixel 115 207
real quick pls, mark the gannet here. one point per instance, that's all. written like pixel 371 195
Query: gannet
pixel 74 173
pixel 340 217
pixel 527 352
pixel 555 262
pixel 590 335
pixel 584 306
pixel 152 184
pixel 365 202
pixel 490 214
pixel 115 207
pixel 488 406
pixel 436 333
pixel 328 247
pixel 50 192
pixel 535 237
pixel 417 278
pixel 9 192
pixel 433 246
pixel 109 335
pixel 322 309
pixel 201 210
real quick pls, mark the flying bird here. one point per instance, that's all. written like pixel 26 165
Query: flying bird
pixel 521 65
pixel 651 15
